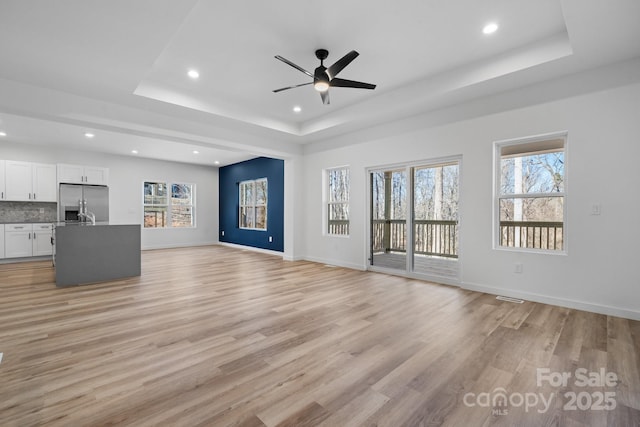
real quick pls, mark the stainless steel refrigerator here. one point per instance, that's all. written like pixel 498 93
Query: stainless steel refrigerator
pixel 78 203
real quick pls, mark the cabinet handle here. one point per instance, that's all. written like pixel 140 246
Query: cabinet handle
pixel 34 196
pixel 34 236
pixel 29 236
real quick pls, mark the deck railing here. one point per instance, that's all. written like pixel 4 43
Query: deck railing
pixel 436 237
pixel 339 227
pixel 432 237
pixel 531 235
pixel 440 238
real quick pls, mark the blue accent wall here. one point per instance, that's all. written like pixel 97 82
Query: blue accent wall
pixel 230 178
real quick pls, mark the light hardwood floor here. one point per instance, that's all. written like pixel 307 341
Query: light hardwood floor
pixel 217 336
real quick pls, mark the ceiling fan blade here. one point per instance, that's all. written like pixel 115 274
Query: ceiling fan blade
pixel 325 97
pixel 350 83
pixel 333 70
pixel 291 87
pixel 297 67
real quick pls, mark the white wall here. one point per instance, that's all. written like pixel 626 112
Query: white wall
pixel 126 175
pixel 600 271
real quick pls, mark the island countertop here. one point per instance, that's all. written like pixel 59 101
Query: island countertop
pixel 86 253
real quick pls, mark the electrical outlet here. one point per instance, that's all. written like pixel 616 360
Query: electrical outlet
pixel 596 209
pixel 518 268
pixel 41 210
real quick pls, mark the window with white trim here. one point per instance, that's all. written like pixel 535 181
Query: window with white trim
pixel 253 197
pixel 531 193
pixel 337 201
pixel 168 205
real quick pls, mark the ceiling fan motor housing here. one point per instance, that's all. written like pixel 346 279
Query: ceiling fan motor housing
pixel 322 54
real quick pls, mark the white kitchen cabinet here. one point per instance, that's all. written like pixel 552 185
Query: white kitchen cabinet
pixel 29 182
pixel 77 174
pixel 18 242
pixel 26 240
pixel 1 241
pixel 72 174
pixel 18 180
pixel 3 190
pixel 44 182
pixel 41 239
pixel 96 175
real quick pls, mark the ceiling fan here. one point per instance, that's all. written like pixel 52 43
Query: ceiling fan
pixel 324 78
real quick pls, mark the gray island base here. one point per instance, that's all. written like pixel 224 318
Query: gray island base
pixel 96 253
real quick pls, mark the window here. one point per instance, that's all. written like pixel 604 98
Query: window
pixel 253 204
pixel 165 208
pixel 337 201
pixel 531 194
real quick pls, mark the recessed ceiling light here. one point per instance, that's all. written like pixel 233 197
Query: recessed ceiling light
pixel 134 151
pixel 194 74
pixel 216 162
pixel 490 28
pixel 3 133
pixel 89 135
pixel 297 109
pixel 196 152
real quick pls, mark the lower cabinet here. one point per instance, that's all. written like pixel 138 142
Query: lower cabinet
pixel 1 241
pixel 25 240
pixel 42 234
pixel 17 240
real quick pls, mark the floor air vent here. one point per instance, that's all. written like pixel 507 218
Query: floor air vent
pixel 516 300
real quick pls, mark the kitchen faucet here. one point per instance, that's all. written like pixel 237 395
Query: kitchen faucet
pixel 87 215
pixel 84 213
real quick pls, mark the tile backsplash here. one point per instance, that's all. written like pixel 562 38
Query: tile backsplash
pixel 28 212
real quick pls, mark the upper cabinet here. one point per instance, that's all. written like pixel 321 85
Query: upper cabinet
pixel 44 182
pixel 30 182
pixel 96 175
pixel 3 192
pixel 76 174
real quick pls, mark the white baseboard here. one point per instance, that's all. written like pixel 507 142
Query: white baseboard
pixel 251 248
pixel 352 266
pixel 178 245
pixel 562 302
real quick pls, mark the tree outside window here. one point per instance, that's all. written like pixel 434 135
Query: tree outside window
pixel 337 204
pixel 168 209
pixel 253 196
pixel 531 194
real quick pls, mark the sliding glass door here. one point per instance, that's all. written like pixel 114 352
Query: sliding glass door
pixel 435 219
pixel 389 210
pixel 414 219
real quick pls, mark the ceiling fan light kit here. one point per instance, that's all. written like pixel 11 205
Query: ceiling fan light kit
pixel 324 78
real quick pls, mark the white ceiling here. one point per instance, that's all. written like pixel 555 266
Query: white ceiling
pixel 118 68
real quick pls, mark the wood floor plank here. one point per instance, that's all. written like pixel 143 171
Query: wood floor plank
pixel 216 336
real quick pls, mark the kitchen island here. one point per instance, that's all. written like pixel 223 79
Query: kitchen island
pixel 86 253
